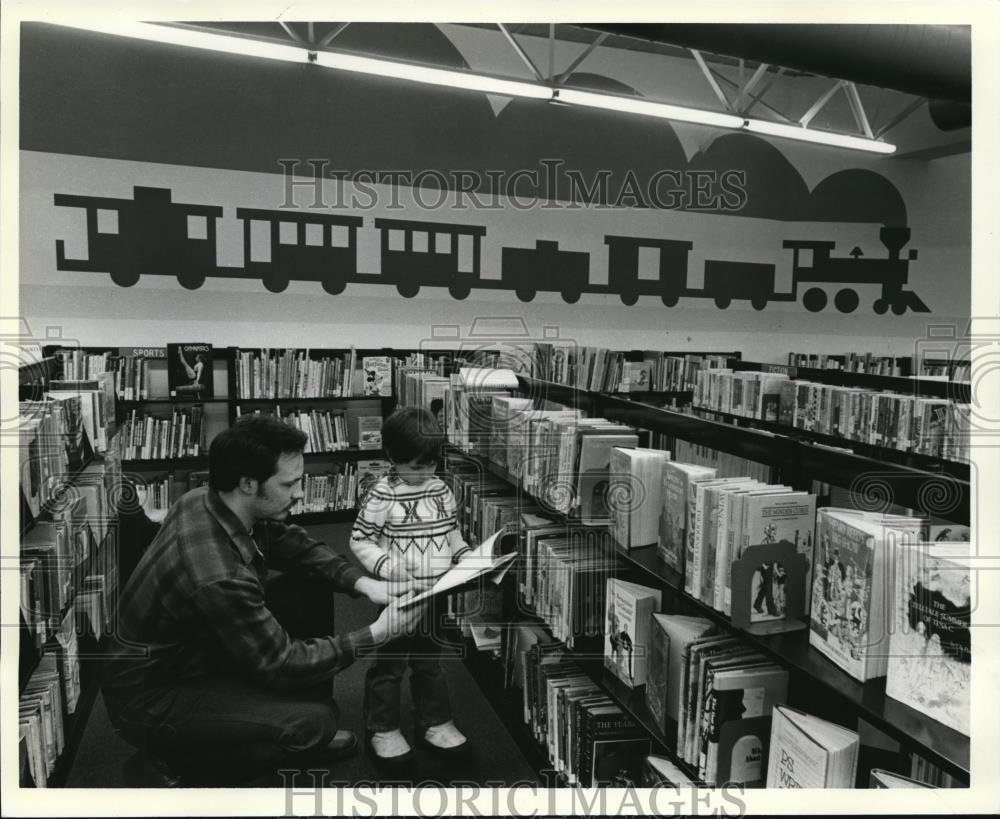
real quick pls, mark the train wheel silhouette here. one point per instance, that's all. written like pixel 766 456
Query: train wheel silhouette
pixel 880 306
pixel 814 300
pixel 191 281
pixel 722 302
pixel 334 286
pixel 898 307
pixel 525 293
pixel 629 297
pixel 571 296
pixel 460 290
pixel 759 302
pixel 846 300
pixel 275 282
pixel 670 299
pixel 408 289
pixel 125 277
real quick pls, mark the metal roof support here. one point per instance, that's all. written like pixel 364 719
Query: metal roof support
pixel 754 99
pixel 909 109
pixel 552 50
pixel 710 76
pixel 858 109
pixel 333 34
pixel 576 63
pixel 750 84
pixel 521 53
pixel 818 105
pixel 289 31
pixel 312 32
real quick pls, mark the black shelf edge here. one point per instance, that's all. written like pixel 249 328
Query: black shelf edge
pixel 945 747
pixel 192 461
pixel 331 516
pixel 318 399
pixel 912 460
pixel 350 454
pixel 135 403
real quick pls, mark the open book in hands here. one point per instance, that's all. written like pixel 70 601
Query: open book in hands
pixel 479 563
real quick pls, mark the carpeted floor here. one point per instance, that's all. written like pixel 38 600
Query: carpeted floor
pixel 493 758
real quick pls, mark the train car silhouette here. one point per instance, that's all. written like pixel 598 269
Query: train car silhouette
pixel 430 256
pixel 812 263
pixel 149 234
pixel 545 268
pixel 623 268
pixel 315 247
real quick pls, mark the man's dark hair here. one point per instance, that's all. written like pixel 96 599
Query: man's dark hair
pixel 411 434
pixel 251 448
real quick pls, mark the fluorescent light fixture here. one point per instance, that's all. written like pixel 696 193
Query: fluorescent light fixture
pixel 432 76
pixel 631 105
pixel 777 129
pixel 196 38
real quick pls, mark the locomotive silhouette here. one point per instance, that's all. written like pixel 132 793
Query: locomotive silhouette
pixel 153 235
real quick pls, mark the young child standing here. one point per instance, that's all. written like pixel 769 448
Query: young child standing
pixel 406 532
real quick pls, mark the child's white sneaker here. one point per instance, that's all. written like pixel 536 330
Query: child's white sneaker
pixel 389 746
pixel 445 737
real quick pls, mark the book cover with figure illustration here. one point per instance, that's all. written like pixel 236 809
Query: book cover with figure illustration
pixel 189 371
pixel 930 649
pixel 627 629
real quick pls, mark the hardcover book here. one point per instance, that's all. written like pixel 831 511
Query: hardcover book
pixel 670 638
pixel 737 722
pixel 809 752
pixel 847 622
pixel 627 629
pixel 377 375
pixel 634 495
pixel 930 648
pixel 189 371
pixel 370 432
pixel 674 518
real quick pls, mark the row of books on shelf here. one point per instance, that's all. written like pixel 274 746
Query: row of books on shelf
pixel 867 363
pixel 51 693
pixel 291 373
pixel 339 489
pixel 326 430
pixel 188 369
pixel 599 369
pixel 588 737
pixel 736 725
pixel 725 702
pixel 884 365
pixel 936 427
pixel 60 554
pixel 181 434
pixel 761 554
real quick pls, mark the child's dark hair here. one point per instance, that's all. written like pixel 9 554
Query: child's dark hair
pixel 411 434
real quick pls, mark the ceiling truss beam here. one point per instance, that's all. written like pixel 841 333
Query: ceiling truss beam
pixel 329 38
pixel 712 81
pixel 858 109
pixel 521 53
pixel 565 75
pixel 817 106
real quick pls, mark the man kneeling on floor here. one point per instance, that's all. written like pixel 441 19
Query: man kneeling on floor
pixel 204 676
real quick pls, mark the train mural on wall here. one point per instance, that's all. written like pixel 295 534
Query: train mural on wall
pixel 152 235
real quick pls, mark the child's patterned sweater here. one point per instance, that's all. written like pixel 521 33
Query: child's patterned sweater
pixel 416 525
